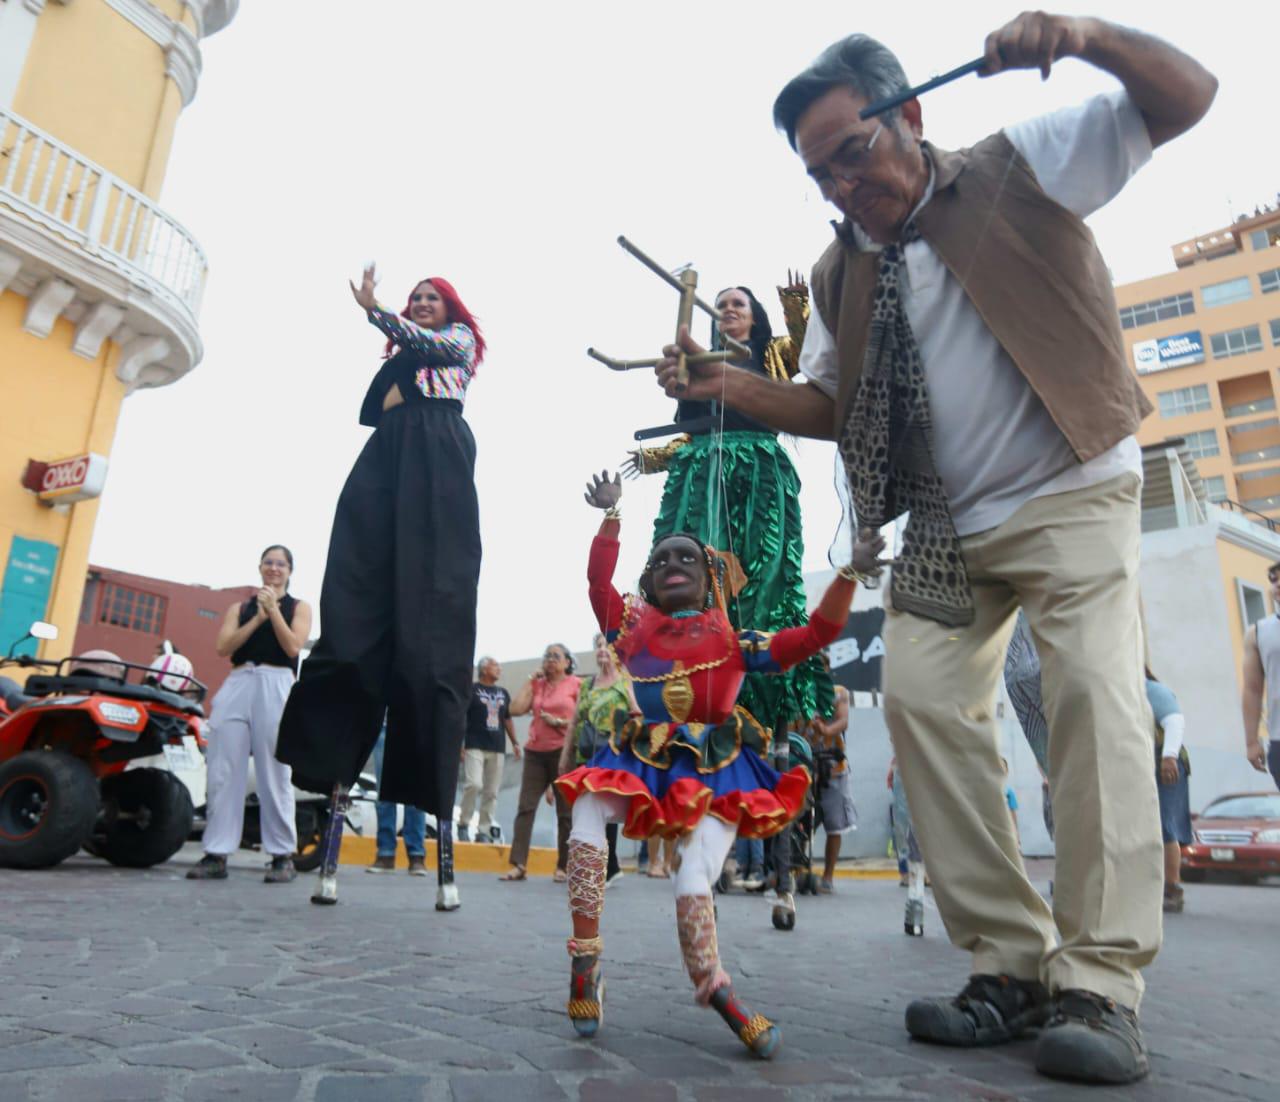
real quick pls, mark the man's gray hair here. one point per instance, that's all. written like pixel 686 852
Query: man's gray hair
pixel 858 62
pixel 483 661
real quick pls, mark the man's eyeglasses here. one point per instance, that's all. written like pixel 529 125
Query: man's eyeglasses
pixel 849 163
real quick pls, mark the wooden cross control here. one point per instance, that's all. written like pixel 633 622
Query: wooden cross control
pixel 687 284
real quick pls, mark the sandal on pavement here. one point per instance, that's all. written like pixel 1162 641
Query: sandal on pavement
pixel 989 1011
pixel 516 873
pixel 1091 1039
pixel 560 876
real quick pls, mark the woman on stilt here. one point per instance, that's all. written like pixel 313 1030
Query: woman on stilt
pixel 692 765
pixel 398 605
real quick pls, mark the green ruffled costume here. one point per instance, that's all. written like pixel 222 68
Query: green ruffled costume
pixel 738 491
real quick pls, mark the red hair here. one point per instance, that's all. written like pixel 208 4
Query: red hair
pixel 455 308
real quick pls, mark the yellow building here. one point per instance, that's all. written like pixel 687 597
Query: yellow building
pixel 1205 340
pixel 99 287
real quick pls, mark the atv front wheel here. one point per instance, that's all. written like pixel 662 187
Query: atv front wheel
pixel 48 804
pixel 146 816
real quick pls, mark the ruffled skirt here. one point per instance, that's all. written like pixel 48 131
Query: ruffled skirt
pixel 669 789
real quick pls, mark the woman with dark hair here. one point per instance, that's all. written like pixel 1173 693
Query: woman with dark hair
pixel 551 695
pixel 263 637
pixel 399 599
pixel 691 765
pixel 731 483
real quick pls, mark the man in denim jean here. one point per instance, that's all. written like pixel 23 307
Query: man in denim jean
pixel 414 831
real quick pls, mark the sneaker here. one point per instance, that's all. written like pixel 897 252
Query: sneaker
pixel 281 871
pixel 418 866
pixel 1173 899
pixel 464 833
pixel 754 880
pixel 382 864
pixel 495 834
pixel 1091 1039
pixel 989 1011
pixel 211 867
pixel 826 887
pixel 609 881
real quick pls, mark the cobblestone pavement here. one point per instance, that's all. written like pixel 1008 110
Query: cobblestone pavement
pixel 139 986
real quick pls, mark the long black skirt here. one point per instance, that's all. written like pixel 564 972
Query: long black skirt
pixel 397 615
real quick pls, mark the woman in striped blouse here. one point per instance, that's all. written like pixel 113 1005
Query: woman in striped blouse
pixel 398 606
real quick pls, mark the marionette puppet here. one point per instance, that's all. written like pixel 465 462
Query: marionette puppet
pixel 692 764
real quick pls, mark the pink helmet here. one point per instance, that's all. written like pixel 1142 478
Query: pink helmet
pixel 98 663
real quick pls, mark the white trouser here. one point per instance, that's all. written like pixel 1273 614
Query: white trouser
pixel 245 719
pixel 702 852
pixel 482 770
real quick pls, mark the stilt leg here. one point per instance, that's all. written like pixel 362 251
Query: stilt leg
pixel 446 890
pixel 586 869
pixel 696 925
pixel 327 890
pixel 913 918
pixel 784 905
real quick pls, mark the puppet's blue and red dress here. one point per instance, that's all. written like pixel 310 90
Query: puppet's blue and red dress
pixel 693 751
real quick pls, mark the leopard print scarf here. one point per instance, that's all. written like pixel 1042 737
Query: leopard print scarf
pixel 887 450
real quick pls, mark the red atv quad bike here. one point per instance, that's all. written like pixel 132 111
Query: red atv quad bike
pixel 65 740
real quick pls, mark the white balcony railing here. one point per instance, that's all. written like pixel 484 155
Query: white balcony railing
pixel 53 185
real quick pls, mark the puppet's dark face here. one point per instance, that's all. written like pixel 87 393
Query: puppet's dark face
pixel 735 311
pixel 427 308
pixel 676 575
pixel 871 172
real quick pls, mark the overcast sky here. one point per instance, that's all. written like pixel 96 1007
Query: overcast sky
pixel 504 146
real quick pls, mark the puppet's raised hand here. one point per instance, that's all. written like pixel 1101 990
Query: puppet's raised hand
pixel 796 284
pixel 603 492
pixel 866 552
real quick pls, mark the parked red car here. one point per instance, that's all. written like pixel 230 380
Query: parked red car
pixel 1239 834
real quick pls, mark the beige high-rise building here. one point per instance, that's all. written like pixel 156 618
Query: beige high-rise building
pixel 1205 340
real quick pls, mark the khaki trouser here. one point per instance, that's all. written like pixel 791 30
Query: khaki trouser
pixel 482 773
pixel 1071 561
pixel 541 767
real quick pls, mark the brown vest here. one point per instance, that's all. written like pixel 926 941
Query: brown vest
pixel 1034 274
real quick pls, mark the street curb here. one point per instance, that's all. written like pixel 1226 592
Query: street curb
pixel 486 857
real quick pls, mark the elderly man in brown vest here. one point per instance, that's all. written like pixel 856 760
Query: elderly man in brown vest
pixel 966 355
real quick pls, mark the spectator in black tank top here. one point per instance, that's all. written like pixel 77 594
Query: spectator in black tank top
pixel 263 638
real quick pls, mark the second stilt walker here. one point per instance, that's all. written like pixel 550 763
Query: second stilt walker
pixel 692 765
pixel 398 606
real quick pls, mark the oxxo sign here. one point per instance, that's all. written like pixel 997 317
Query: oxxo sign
pixel 1166 352
pixel 62 481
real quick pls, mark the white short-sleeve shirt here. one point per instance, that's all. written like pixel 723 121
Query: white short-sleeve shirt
pixel 995 444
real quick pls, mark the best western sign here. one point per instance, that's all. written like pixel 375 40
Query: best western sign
pixel 1167 352
pixel 66 480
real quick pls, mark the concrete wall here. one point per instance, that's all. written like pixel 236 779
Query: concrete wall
pixel 1195 630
